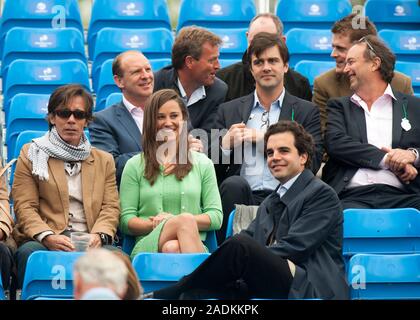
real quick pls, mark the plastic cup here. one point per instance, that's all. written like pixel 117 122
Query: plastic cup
pixel 80 240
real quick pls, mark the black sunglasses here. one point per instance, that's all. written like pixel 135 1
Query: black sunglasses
pixel 66 113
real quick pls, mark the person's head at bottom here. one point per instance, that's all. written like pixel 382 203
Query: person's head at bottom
pixel 100 275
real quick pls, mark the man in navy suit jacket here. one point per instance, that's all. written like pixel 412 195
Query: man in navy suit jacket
pixel 373 137
pixel 117 129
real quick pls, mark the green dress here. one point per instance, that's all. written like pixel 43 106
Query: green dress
pixel 197 193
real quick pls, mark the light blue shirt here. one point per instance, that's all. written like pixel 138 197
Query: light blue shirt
pixel 197 95
pixel 254 168
pixel 284 187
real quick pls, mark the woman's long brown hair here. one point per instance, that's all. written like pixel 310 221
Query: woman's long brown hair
pixel 150 142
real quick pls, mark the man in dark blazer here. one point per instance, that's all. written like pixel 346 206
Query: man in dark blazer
pixel 373 137
pixel 192 74
pixel 117 129
pixel 293 248
pixel 240 80
pixel 242 165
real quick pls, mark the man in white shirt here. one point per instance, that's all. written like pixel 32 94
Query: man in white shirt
pixel 373 136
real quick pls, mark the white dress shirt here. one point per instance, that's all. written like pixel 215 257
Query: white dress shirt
pixel 197 95
pixel 136 112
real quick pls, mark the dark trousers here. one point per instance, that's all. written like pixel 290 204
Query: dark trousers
pixel 378 196
pixel 240 257
pixel 23 253
pixel 6 264
pixel 236 190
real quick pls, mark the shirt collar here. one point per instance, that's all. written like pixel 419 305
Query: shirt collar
pixel 201 89
pixel 388 92
pixel 279 100
pixel 288 184
pixel 128 105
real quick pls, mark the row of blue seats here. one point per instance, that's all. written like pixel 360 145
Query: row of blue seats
pixel 381 247
pixel 141 14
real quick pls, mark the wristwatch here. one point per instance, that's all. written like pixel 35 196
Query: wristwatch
pixel 105 239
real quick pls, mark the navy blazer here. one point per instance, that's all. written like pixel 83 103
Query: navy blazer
pixel 239 110
pixel 309 233
pixel 115 131
pixel 203 112
pixel 347 144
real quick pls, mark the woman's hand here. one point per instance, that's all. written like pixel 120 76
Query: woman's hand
pixel 159 218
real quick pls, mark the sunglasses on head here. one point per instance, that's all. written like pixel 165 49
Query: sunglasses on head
pixel 66 113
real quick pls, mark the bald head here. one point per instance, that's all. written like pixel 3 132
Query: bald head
pixel 265 22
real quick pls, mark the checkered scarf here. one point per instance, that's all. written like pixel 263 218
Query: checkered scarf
pixel 51 145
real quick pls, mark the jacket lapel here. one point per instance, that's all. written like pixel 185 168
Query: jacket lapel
pixel 128 124
pixel 57 173
pixel 287 107
pixel 359 119
pixel 247 104
pixel 88 178
pixel 397 116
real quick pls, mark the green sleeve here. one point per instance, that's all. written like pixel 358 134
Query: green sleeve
pixel 129 193
pixel 211 203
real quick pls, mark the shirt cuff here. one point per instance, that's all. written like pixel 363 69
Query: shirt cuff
pixel 382 164
pixel 416 162
pixel 40 236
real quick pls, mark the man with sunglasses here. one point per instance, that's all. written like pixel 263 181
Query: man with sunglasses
pixel 373 136
pixel 335 83
pixel 242 169
pixel 63 185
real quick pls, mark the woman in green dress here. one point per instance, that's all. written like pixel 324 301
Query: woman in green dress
pixel 169 194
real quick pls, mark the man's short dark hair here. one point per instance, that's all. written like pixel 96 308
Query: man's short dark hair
pixel 263 41
pixel 304 143
pixel 346 27
pixel 375 47
pixel 189 42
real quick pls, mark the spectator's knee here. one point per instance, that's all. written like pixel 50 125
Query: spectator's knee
pixel 171 246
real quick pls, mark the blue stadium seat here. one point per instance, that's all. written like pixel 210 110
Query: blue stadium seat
pixel 42 77
pixel 394 277
pixel 234 43
pixel 412 69
pixel 2 297
pixel 210 242
pixel 42 44
pixel 308 44
pixel 49 274
pixel 216 13
pixel 113 98
pixel 22 138
pixel 404 43
pixel 129 14
pixel 313 14
pixel 394 14
pixel 153 43
pixel 312 69
pixel 229 228
pixel 48 14
pixel 227 62
pixel 27 111
pixel 381 231
pixel 159 270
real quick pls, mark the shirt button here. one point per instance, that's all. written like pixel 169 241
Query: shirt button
pixel 183 207
pixel 182 192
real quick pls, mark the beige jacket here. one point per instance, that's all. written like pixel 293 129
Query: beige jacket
pixel 328 85
pixel 44 205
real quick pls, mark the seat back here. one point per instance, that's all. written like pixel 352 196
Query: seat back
pixel 216 13
pixel 312 69
pixel 159 270
pixel 113 98
pixel 127 14
pixel 308 44
pixel 48 14
pixel 42 77
pixel 404 43
pixel 49 274
pixel 381 231
pixel 2 297
pixel 411 69
pixel 42 44
pixel 384 276
pixel 229 228
pixel 234 42
pixel 153 43
pixel 26 111
pixel 394 14
pixel 315 14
